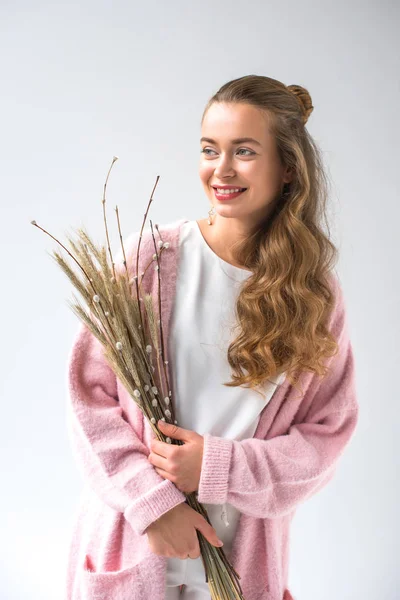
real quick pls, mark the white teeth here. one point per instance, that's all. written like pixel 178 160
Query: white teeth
pixel 224 191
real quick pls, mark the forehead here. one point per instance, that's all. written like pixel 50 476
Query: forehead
pixel 224 122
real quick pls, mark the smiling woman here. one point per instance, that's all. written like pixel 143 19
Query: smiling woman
pixel 261 374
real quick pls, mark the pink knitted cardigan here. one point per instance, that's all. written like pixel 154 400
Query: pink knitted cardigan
pixel 293 454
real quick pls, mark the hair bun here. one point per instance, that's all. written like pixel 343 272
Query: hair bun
pixel 304 100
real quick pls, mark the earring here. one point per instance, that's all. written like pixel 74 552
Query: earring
pixel 211 212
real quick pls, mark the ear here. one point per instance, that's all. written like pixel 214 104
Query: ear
pixel 287 175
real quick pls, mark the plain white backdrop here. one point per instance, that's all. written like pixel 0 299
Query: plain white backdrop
pixel 83 81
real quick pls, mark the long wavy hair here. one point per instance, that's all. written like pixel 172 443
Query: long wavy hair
pixel 283 308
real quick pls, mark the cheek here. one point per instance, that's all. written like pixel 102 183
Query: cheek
pixel 205 172
pixel 264 181
pixel 254 172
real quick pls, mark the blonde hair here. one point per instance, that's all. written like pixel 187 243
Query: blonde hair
pixel 283 308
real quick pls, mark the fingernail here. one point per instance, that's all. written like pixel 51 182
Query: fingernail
pixel 220 543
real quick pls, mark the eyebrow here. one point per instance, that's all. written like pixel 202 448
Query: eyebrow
pixel 236 141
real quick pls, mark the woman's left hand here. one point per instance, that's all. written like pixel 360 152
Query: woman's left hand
pixel 179 464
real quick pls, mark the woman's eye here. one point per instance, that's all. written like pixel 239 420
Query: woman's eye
pixel 205 151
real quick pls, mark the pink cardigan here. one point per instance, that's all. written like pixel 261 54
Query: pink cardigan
pixel 293 454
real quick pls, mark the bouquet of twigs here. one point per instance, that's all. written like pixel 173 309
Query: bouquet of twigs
pixel 115 317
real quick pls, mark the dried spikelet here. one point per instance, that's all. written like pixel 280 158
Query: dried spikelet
pixel 87 262
pixel 107 273
pixel 130 309
pixel 89 320
pixel 76 282
pixel 151 317
pixel 83 234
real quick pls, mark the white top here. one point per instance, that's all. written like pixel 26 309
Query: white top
pixel 201 318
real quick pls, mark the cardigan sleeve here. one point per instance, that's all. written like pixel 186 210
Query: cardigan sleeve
pixel 269 478
pixel 109 454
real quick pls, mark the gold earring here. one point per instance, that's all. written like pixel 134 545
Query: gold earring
pixel 211 212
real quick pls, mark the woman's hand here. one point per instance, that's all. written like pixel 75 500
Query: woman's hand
pixel 175 533
pixel 179 464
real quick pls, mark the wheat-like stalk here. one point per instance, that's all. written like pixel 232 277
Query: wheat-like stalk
pixel 132 341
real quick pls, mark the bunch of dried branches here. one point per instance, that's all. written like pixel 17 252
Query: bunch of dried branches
pixel 115 317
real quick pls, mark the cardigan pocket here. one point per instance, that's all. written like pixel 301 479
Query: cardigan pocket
pixel 106 585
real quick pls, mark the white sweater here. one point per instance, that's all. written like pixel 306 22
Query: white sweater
pixel 201 321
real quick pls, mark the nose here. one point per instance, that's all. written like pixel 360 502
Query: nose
pixel 223 167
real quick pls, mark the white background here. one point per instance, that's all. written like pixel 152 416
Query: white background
pixel 83 81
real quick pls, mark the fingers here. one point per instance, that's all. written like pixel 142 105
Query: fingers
pixel 209 533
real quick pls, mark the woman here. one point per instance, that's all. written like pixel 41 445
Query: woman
pixel 262 371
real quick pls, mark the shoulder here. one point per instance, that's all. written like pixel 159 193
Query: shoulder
pixel 167 231
pixel 338 290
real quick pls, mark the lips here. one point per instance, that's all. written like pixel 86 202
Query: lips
pixel 227 187
pixel 221 196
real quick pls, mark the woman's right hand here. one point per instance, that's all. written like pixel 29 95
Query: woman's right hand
pixel 174 533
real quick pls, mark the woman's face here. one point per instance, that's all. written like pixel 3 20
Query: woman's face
pixel 254 165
